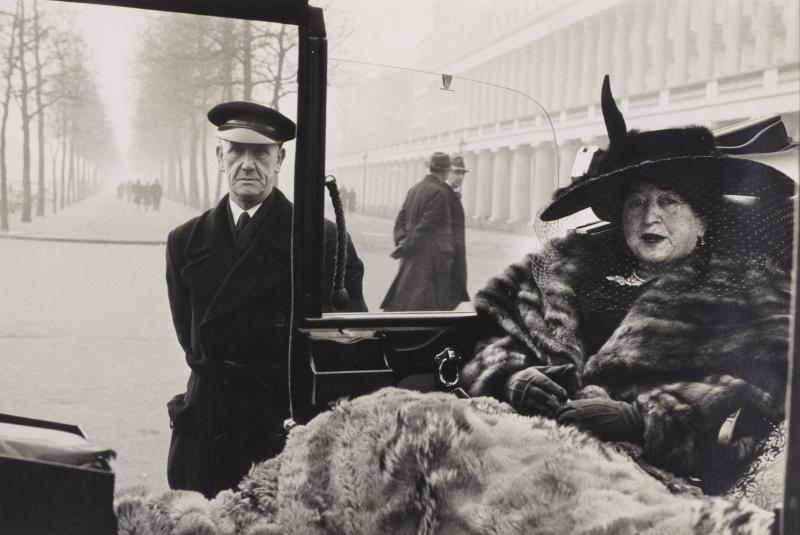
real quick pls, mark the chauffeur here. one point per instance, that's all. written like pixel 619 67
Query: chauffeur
pixel 228 279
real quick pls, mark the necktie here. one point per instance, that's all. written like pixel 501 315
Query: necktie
pixel 243 219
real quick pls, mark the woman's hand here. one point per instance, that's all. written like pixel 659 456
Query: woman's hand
pixel 608 419
pixel 533 390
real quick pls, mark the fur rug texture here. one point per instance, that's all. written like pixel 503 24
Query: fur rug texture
pixel 403 462
pixel 705 339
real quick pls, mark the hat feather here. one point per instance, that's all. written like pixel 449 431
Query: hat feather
pixel 615 122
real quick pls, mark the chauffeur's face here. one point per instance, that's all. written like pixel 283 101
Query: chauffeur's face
pixel 251 170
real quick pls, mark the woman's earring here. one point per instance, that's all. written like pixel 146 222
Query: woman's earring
pixel 701 241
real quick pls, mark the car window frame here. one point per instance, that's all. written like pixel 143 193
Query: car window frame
pixel 308 219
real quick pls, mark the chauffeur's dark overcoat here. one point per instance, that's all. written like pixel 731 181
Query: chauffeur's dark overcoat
pixel 230 301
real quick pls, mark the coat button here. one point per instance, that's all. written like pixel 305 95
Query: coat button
pixel 280 320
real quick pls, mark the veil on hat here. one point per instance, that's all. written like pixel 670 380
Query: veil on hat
pixel 761 215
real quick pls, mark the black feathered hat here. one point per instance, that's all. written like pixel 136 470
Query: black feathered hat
pixel 674 155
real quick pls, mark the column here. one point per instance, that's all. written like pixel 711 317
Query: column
pixel 501 182
pixel 660 42
pixel 369 188
pixel 638 48
pixel 380 186
pixel 705 36
pixel 520 184
pixel 394 175
pixel 588 81
pixel 567 158
pixel 413 173
pixel 533 80
pixel 391 189
pixel 494 95
pixel 475 100
pixel 399 185
pixel 483 195
pixel 602 57
pixel 390 185
pixel 378 183
pixel 502 97
pixel 791 21
pixel 763 47
pixel 469 187
pixel 545 84
pixel 680 43
pixel 559 72
pixel 375 182
pixel 402 167
pixel 486 96
pixel 619 74
pixel 732 36
pixel 543 179
pixel 522 66
pixel 363 192
pixel 572 80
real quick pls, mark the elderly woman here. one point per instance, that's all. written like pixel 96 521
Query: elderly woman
pixel 669 322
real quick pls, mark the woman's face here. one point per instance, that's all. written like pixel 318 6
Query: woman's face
pixel 659 226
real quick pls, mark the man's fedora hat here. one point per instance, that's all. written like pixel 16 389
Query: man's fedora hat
pixel 689 153
pixel 457 164
pixel 439 162
pixel 248 122
pixel 755 136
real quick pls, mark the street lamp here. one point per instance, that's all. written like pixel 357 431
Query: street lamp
pixel 447 80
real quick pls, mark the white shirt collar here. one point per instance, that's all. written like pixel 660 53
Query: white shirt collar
pixel 237 210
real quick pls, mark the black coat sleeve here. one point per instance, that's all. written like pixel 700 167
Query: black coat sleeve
pixel 354 276
pixel 179 300
pixel 435 214
pixel 399 232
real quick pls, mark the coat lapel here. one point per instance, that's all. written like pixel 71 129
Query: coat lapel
pixel 264 264
pixel 208 261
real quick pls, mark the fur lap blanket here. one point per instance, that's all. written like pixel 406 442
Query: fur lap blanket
pixel 403 462
pixel 691 347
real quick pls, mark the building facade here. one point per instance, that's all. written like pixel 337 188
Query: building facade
pixel 671 62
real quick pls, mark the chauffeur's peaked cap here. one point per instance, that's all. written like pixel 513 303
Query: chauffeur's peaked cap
pixel 248 122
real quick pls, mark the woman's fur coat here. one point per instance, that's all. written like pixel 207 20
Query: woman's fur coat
pixel 402 462
pixel 700 342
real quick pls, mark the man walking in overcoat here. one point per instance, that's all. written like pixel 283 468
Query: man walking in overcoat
pixel 424 244
pixel 458 277
pixel 229 285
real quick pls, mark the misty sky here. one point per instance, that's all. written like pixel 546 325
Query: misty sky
pixel 383 32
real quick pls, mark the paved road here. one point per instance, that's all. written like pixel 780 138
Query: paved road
pixel 85 331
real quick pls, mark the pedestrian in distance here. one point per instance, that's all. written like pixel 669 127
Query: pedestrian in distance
pixel 156 192
pixel 230 294
pixel 138 194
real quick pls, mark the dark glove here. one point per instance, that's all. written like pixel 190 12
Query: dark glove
pixel 532 391
pixel 608 419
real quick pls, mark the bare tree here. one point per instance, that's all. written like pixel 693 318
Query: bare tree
pixel 210 60
pixel 53 166
pixel 8 72
pixel 22 96
pixel 38 36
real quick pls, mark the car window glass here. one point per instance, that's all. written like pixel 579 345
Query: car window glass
pixel 120 154
pixel 473 79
